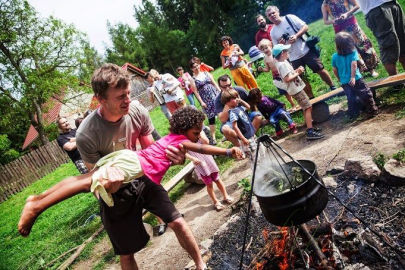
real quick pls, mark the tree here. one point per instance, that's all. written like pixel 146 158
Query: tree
pixel 39 58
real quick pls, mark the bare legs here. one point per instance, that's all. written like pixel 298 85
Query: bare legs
pixel 391 68
pixel 35 205
pixel 257 122
pixel 187 241
pixel 221 187
pixel 290 100
pixel 308 117
pixel 325 76
pixel 128 262
pixel 230 135
pixel 212 130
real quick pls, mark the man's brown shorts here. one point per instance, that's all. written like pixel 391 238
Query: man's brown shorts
pixel 123 221
pixel 310 60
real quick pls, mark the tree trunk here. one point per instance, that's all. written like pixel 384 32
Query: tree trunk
pixel 37 122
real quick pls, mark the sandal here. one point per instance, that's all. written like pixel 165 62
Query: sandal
pixel 228 200
pixel 219 206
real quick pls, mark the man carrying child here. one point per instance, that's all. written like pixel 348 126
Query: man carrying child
pixel 118 124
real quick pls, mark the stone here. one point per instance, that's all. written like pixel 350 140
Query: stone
pixel 350 188
pixel 336 170
pixel 362 167
pixel 148 228
pixel 394 173
pixel 192 178
pixel 329 181
pixel 206 244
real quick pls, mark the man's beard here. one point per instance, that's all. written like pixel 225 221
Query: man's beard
pixel 262 25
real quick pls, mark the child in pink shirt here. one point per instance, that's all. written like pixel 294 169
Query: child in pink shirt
pixel 207 170
pixel 185 127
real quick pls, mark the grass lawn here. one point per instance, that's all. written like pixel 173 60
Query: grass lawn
pixel 64 226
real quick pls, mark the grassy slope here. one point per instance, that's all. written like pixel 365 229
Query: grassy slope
pixel 62 227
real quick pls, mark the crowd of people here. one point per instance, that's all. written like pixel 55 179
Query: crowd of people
pixel 126 181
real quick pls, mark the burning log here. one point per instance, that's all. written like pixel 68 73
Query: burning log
pixel 308 236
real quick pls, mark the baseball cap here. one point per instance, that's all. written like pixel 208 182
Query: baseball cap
pixel 277 49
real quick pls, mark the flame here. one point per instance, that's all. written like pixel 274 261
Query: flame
pixel 260 265
pixel 265 234
pixel 279 248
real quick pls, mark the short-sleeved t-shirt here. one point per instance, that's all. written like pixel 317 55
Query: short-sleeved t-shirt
pixel 295 86
pixel 239 115
pixel 65 138
pixel 219 107
pixel 298 49
pixel 97 137
pixel 167 82
pixel 263 34
pixel 367 5
pixel 343 65
pixel 152 89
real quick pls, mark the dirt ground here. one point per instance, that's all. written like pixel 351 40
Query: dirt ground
pixel 343 140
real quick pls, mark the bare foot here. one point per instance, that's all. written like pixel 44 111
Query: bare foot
pixel 33 198
pixel 27 219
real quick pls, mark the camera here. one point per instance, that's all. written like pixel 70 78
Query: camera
pixel 286 36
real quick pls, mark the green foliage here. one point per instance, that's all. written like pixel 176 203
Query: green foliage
pixel 380 159
pixel 7 154
pixel 400 155
pixel 52 131
pixel 40 59
pixel 245 185
pixel 57 230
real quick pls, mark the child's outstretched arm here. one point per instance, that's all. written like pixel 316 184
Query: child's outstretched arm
pixel 235 152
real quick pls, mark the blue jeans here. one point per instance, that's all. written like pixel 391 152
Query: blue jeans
pixel 191 99
pixel 280 113
pixel 165 111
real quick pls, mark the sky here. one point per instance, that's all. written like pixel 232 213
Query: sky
pixel 90 16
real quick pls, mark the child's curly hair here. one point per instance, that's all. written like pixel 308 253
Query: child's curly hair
pixel 185 118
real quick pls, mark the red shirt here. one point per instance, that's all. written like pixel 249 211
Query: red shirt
pixel 262 34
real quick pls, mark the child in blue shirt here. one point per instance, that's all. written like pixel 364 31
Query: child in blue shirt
pixel 238 116
pixel 344 64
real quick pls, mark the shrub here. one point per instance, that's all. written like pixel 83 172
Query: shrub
pixel 400 156
pixel 380 159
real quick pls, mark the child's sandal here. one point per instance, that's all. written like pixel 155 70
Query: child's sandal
pixel 219 206
pixel 228 200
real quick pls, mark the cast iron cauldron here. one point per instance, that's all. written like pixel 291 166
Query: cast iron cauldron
pixel 296 206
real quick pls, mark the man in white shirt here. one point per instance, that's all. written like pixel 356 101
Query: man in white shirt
pixel 170 88
pixel 387 21
pixel 291 32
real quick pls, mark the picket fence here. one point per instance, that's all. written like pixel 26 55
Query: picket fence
pixel 20 173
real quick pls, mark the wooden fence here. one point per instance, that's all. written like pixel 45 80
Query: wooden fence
pixel 20 173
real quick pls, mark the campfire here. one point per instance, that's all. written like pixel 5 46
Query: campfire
pixel 363 228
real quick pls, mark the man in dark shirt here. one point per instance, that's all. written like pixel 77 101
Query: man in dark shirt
pixel 67 140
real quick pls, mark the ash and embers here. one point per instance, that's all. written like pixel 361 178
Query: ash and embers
pixel 345 242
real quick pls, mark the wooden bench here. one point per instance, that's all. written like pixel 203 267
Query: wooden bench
pixel 322 110
pixel 179 176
